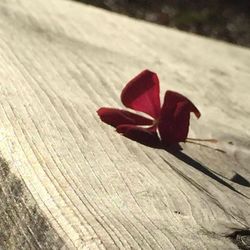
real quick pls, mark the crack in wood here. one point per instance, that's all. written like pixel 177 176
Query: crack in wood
pixel 241 239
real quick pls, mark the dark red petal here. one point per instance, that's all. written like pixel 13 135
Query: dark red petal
pixel 116 117
pixel 142 93
pixel 146 136
pixel 174 121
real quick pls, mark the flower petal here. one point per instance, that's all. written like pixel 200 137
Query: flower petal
pixel 145 136
pixel 175 115
pixel 116 117
pixel 142 93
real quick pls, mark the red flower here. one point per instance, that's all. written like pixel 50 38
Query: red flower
pixel 168 124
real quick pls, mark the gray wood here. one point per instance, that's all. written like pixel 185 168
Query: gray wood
pixel 59 62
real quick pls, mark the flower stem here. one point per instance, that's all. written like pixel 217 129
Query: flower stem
pixel 206 146
pixel 205 140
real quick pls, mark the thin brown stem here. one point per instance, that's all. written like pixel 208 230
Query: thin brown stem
pixel 205 140
pixel 206 146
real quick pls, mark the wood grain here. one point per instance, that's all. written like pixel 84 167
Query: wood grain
pixel 59 62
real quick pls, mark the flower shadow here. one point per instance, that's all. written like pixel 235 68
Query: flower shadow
pixel 200 167
pixel 177 152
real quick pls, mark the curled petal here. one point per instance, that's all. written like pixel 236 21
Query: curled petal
pixel 142 93
pixel 116 117
pixel 146 136
pixel 175 115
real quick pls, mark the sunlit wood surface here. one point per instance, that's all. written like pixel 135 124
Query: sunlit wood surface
pixel 92 188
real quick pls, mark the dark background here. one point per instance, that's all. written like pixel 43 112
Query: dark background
pixel 228 20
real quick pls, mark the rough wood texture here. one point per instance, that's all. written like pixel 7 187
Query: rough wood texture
pixel 59 62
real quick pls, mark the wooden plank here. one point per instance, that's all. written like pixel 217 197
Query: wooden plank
pixel 59 62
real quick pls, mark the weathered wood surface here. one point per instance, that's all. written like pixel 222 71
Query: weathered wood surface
pixel 61 61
